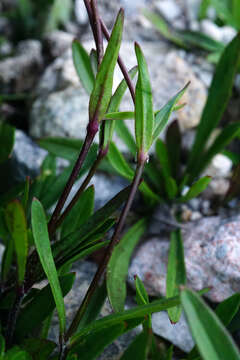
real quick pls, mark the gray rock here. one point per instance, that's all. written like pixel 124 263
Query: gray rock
pixel 80 12
pixel 212 250
pixel 179 334
pixel 25 161
pixel 20 73
pixel 66 111
pixel 57 42
pixel 61 113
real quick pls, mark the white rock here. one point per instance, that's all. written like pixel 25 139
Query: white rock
pixel 169 9
pixel 58 42
pixel 223 34
pixel 80 12
pixel 220 166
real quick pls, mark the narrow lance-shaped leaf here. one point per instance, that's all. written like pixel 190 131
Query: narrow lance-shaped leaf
pixel 225 311
pixel 163 115
pixel 7 138
pixel 139 347
pixel 144 115
pixel 42 242
pixel 224 12
pixel 176 273
pixel 197 188
pixel 114 106
pixel 80 212
pixel 212 339
pixel 218 97
pixel 142 298
pixel 118 265
pixel 83 66
pixel 102 92
pixel 17 226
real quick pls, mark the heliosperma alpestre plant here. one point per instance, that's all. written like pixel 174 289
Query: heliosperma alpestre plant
pixel 37 249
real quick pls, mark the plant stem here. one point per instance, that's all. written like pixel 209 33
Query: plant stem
pixel 91 132
pixel 115 239
pixel 12 318
pixel 97 26
pixel 107 36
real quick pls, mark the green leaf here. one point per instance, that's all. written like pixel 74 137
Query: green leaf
pixel 236 11
pixel 119 163
pixel 200 40
pixel 124 133
pixel 197 188
pixel 139 347
pixel 72 241
pixel 41 306
pixel 59 13
pixel 162 26
pixel 95 305
pixel 7 138
pixel 218 97
pixel 79 213
pixel 204 5
pixel 7 259
pixel 142 295
pixel 17 226
pixel 39 349
pixel 117 268
pixel 211 337
pixel 68 149
pixel 102 91
pixel 162 116
pixel 92 345
pixel 123 115
pixel 42 242
pixel 176 273
pixel 2 347
pixel 17 354
pixel 169 183
pixel 83 66
pixel 135 313
pixel 144 115
pixel 173 142
pixel 224 13
pixel 114 107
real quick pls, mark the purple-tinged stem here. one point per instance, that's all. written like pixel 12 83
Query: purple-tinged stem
pixel 97 26
pixel 91 132
pixel 120 61
pixel 115 239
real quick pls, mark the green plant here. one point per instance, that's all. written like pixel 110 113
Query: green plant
pixel 228 13
pixel 41 246
pixel 32 19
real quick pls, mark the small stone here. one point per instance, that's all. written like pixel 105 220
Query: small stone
pixel 80 12
pixel 169 9
pixel 57 42
pixel 212 250
pixel 223 34
pixel 20 73
pixel 220 167
pixel 179 333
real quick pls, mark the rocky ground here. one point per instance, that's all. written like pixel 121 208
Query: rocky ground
pixel 58 106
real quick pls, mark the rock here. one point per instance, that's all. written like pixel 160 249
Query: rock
pixel 62 113
pixel 219 167
pixel 179 334
pixel 25 161
pixel 223 34
pixel 66 111
pixel 212 250
pixel 20 73
pixel 57 42
pixel 80 12
pixel 169 9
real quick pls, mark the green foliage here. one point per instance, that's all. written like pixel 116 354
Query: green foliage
pixel 41 245
pixel 32 19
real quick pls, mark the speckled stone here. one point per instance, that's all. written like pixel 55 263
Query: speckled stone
pixel 212 252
